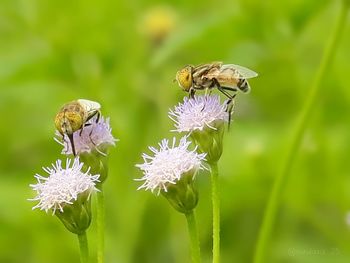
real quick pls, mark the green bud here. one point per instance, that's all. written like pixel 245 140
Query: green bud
pixel 98 164
pixel 183 195
pixel 76 217
pixel 210 141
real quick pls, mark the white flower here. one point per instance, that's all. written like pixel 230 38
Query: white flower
pixel 168 164
pixel 92 136
pixel 198 113
pixel 63 185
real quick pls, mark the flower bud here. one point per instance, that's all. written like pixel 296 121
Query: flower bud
pixel 182 195
pixel 210 141
pixel 76 217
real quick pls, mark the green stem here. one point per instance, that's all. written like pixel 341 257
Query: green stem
pixel 192 230
pixel 281 180
pixel 84 250
pixel 100 225
pixel 216 211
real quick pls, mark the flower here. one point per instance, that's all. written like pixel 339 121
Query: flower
pixel 94 136
pixel 199 113
pixel 203 117
pixel 169 164
pixel 63 186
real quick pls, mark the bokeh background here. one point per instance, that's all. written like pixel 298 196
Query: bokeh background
pixel 124 54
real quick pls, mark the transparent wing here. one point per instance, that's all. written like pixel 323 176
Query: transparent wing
pixel 244 72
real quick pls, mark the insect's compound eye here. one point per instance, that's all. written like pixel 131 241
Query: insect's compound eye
pixel 184 78
pixel 59 121
pixel 75 121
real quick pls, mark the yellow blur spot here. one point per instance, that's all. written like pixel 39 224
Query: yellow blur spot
pixel 158 23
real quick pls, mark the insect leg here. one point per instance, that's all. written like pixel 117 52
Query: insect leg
pixel 226 93
pixel 85 125
pixel 81 130
pixel 230 111
pixel 231 97
pixel 229 107
pixel 97 149
pixel 215 83
pixel 228 88
pixel 229 103
pixel 192 91
pixel 223 90
pixel 96 113
pixel 98 116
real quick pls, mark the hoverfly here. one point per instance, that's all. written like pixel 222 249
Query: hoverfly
pixel 74 115
pixel 227 78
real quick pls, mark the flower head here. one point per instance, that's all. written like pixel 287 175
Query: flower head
pixel 169 164
pixel 63 186
pixel 199 113
pixel 91 137
pixel 203 117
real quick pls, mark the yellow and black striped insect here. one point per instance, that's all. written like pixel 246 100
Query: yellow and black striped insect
pixel 227 78
pixel 74 115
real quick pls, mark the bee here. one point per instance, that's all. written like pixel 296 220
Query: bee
pixel 74 116
pixel 227 78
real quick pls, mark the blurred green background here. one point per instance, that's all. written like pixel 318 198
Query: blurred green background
pixel 125 54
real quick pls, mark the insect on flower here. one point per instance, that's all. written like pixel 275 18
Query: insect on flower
pixel 74 115
pixel 227 78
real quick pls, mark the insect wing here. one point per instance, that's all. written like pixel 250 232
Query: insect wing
pixel 89 104
pixel 208 66
pixel 245 73
pixel 203 69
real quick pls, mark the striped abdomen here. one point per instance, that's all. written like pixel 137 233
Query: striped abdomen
pixel 243 85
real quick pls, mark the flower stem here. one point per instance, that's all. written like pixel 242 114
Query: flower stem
pixel 100 225
pixel 281 180
pixel 84 250
pixel 192 230
pixel 216 211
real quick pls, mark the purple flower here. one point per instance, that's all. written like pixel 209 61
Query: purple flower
pixel 63 185
pixel 199 113
pixel 168 164
pixel 94 136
